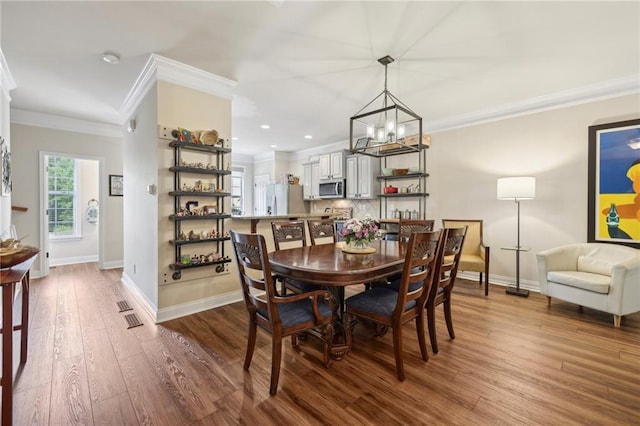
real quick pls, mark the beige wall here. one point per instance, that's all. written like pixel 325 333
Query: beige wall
pixel 28 142
pixel 464 165
pixel 148 252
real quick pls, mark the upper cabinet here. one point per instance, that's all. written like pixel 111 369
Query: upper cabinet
pixel 332 165
pixel 310 181
pixel 361 172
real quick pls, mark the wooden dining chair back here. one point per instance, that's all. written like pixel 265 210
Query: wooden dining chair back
pixel 407 226
pixel 289 234
pixel 322 230
pixel 391 308
pixel 475 254
pixel 279 316
pixel 444 278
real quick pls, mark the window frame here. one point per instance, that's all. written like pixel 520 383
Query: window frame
pixel 76 232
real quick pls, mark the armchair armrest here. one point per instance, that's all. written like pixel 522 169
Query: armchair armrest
pixel 624 292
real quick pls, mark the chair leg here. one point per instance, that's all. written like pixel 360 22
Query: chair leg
pixel 346 325
pixel 397 349
pixel 422 339
pixel 328 341
pixel 294 340
pixel 616 320
pixel 447 316
pixel 251 341
pixel 276 355
pixel 431 319
pixel 486 283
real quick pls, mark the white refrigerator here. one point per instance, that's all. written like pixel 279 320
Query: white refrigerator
pixel 285 199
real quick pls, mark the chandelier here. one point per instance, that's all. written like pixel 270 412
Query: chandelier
pixel 385 126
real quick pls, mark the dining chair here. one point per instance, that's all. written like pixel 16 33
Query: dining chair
pixel 391 308
pixel 407 226
pixel 287 234
pixel 279 316
pixel 444 278
pixel 321 229
pixel 475 254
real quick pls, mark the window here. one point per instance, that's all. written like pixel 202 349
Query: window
pixel 62 197
pixel 237 193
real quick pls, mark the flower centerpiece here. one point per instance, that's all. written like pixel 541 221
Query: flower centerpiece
pixel 358 233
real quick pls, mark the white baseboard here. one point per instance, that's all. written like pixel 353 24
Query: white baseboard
pixel 113 264
pixel 72 260
pixel 502 281
pixel 148 306
pixel 177 311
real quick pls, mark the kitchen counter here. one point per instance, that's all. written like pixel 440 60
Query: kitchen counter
pixel 256 219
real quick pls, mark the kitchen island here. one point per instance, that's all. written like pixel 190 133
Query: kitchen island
pixel 256 219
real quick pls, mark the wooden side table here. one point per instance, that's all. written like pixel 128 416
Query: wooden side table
pixel 9 278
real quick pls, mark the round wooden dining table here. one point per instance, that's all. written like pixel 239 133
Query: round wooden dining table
pixel 328 266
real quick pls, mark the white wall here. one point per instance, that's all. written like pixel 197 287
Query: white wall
pixel 28 142
pixel 140 168
pixel 5 132
pixel 85 248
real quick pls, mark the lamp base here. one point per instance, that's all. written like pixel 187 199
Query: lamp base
pixel 517 292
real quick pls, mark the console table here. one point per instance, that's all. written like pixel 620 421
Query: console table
pixel 9 279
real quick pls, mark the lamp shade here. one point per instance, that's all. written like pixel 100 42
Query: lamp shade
pixel 517 188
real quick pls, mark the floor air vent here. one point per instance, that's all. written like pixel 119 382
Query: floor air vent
pixel 123 305
pixel 132 320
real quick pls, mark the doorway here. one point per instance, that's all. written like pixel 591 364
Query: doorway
pixel 70 190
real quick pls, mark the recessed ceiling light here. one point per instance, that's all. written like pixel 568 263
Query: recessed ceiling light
pixel 308 137
pixel 274 146
pixel 265 126
pixel 110 57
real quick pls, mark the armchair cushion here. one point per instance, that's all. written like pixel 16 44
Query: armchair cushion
pixel 378 300
pixel 298 312
pixel 584 280
pixel 595 265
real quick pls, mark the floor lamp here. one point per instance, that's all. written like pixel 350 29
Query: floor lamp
pixel 517 189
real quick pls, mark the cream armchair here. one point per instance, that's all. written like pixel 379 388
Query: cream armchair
pixel 600 276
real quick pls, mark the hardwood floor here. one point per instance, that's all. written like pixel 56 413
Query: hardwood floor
pixel 514 361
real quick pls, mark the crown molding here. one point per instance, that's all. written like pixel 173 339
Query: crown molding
pixel 241 158
pixel 58 122
pixel 591 93
pixel 165 69
pixel 6 79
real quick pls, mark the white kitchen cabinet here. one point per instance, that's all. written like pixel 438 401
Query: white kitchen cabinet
pixel 361 175
pixel 310 181
pixel 332 165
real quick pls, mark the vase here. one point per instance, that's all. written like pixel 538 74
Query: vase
pixel 359 246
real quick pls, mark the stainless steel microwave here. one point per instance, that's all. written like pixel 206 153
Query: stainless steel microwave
pixel 332 189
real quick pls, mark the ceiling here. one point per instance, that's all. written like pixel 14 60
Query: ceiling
pixel 305 67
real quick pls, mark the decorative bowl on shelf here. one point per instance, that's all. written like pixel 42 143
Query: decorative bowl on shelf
pixel 400 171
pixel 387 171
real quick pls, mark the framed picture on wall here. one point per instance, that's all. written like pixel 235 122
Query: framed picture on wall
pixel 614 183
pixel 5 166
pixel 115 186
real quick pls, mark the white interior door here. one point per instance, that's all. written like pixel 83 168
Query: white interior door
pixel 260 183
